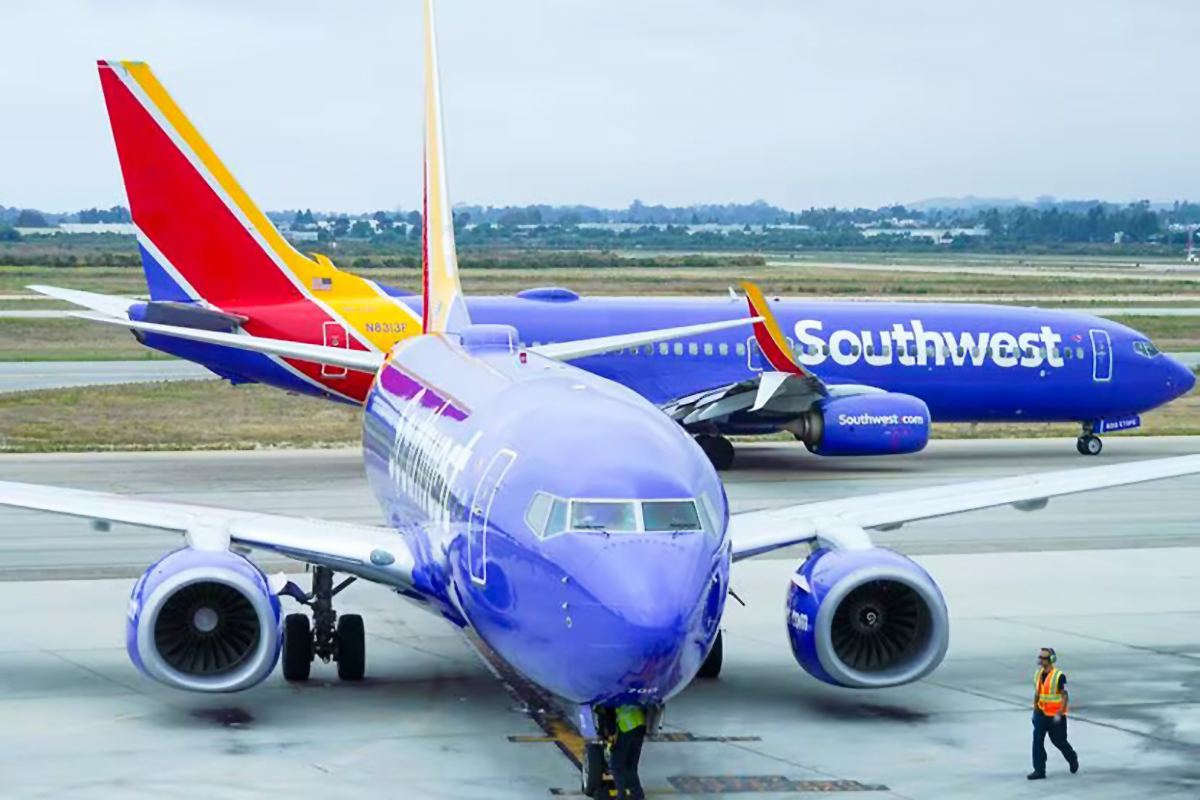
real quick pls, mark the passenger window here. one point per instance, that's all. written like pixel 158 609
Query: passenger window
pixel 824 349
pixel 664 349
pixel 708 348
pixel 724 348
pixel 741 349
pixel 870 349
pixel 693 349
pixel 670 515
pixel 1079 352
pixel 678 349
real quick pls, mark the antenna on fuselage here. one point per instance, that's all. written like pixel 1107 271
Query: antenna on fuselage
pixel 444 309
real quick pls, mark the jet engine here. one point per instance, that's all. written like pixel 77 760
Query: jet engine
pixel 866 619
pixel 877 424
pixel 204 621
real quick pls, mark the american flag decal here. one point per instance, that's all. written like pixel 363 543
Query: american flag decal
pixel 322 284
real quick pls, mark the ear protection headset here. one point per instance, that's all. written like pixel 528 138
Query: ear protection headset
pixel 1050 655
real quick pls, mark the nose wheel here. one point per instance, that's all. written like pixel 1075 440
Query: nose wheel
pixel 329 637
pixel 1089 445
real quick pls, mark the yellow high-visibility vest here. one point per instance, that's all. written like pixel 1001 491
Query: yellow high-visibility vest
pixel 1049 700
pixel 630 718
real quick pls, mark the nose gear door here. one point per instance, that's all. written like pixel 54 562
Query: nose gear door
pixel 481 508
pixel 1101 356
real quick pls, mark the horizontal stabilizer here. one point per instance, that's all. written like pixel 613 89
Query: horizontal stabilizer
pixel 108 304
pixel 566 351
pixel 360 360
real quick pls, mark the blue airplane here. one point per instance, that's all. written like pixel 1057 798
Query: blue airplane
pixel 837 375
pixel 576 529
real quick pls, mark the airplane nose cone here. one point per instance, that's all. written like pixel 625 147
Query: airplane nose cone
pixel 1180 378
pixel 651 611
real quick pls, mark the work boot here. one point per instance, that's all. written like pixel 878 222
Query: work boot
pixel 1036 776
pixel 1075 766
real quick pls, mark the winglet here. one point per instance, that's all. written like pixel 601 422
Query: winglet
pixel 770 338
pixel 445 310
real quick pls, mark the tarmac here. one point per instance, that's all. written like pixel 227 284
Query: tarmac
pixel 24 376
pixel 1110 579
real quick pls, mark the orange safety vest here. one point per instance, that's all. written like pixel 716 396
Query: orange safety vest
pixel 1049 701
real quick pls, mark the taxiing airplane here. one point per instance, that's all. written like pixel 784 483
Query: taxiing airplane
pixel 214 262
pixel 575 528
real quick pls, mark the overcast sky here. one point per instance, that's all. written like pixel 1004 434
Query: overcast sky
pixel 798 102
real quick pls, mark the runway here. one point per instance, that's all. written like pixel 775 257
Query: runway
pixel 23 376
pixel 1110 580
pixel 330 484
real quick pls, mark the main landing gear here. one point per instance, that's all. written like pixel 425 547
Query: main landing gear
pixel 711 668
pixel 341 639
pixel 718 449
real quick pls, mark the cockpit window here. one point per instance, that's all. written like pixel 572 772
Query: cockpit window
pixel 670 515
pixel 549 516
pixel 612 516
pixel 1146 348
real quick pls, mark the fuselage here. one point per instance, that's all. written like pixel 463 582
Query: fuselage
pixel 973 363
pixel 577 529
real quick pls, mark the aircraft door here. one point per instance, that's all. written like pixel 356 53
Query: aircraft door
pixel 754 356
pixel 481 507
pixel 1101 356
pixel 335 336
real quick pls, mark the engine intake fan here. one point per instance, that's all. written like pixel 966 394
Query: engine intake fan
pixel 866 619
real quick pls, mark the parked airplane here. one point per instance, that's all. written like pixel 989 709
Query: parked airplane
pixel 213 261
pixel 575 528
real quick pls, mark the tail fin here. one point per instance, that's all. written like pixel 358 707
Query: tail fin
pixel 770 338
pixel 444 307
pixel 200 235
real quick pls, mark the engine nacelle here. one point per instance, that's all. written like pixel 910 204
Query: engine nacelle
pixel 204 621
pixel 878 424
pixel 866 619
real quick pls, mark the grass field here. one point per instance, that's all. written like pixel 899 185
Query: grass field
pixel 793 278
pixel 184 415
pixel 69 340
pixel 207 415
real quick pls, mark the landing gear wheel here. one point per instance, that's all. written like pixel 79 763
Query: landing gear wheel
pixel 591 775
pixel 718 449
pixel 297 648
pixel 711 668
pixel 1089 445
pixel 351 647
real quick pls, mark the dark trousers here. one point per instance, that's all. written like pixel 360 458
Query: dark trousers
pixel 1057 729
pixel 626 753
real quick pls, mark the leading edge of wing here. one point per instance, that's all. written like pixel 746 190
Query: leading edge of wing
pixel 567 351
pixel 374 553
pixel 757 532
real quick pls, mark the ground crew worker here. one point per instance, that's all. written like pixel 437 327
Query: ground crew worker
pixel 627 752
pixel 1050 714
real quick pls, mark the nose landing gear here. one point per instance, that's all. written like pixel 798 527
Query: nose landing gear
pixel 341 639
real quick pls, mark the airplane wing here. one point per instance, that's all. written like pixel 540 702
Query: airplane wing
pixel 778 394
pixel 110 305
pixel 374 553
pixel 566 351
pixel 842 524
pixel 360 360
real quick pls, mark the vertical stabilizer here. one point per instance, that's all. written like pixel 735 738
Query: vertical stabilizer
pixel 444 307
